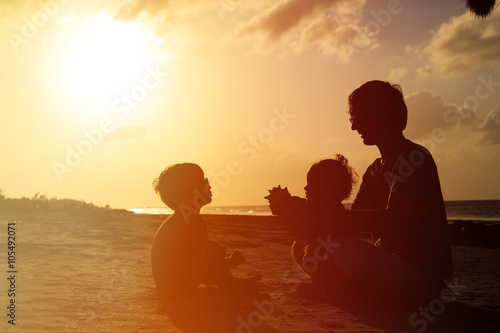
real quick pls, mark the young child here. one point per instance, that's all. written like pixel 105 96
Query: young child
pixel 310 221
pixel 182 257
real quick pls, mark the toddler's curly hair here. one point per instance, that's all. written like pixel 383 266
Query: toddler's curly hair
pixel 338 173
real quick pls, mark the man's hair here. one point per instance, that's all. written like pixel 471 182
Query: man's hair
pixel 338 173
pixel 176 183
pixel 380 99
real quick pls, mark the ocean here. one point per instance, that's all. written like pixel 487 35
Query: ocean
pixel 484 211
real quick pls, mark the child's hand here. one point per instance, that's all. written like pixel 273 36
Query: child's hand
pixel 278 198
pixel 235 259
pixel 278 193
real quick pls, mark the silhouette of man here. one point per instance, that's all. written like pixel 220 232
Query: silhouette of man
pixel 399 202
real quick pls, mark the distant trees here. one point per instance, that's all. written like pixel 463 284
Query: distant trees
pixel 41 203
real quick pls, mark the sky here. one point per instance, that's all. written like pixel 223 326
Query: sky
pixel 98 97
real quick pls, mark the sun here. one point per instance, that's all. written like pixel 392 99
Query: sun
pixel 103 59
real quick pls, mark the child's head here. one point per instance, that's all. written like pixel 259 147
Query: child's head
pixel 330 180
pixel 180 183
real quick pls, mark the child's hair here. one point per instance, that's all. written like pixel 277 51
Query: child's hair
pixel 176 183
pixel 338 173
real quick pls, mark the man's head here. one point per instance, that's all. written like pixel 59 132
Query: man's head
pixel 179 183
pixel 377 110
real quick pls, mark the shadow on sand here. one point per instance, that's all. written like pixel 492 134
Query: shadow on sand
pixel 432 317
pixel 457 317
pixel 213 310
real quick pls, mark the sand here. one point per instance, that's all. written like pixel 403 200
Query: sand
pixel 91 273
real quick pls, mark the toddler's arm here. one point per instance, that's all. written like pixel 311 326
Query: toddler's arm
pixel 292 210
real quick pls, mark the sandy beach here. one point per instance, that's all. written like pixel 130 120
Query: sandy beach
pixel 91 273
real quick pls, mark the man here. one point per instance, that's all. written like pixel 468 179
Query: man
pixel 399 202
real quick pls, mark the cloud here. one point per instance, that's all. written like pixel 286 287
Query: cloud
pixel 332 26
pixel 135 8
pixel 397 74
pixel 461 45
pixel 284 16
pixel 489 132
pixel 126 132
pixel 164 15
pixel 295 25
pixel 428 112
pixel 168 15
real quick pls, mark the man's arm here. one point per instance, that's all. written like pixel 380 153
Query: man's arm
pixel 370 220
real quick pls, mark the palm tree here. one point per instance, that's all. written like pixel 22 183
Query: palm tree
pixel 480 8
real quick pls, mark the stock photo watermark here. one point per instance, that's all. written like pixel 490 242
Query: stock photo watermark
pixel 11 272
pixel 122 106
pixel 483 91
pixel 380 19
pixel 258 142
pixel 90 308
pixel 31 26
pixel 222 7
pixel 249 149
pixel 420 319
pixel 294 277
pixel 405 167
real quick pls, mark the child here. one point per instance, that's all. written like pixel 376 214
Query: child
pixel 182 257
pixel 310 221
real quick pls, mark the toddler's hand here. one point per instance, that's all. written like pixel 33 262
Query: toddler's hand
pixel 236 259
pixel 278 197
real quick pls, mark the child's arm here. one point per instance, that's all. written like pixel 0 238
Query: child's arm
pixel 297 219
pixel 292 210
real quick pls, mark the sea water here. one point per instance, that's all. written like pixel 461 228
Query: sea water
pixel 487 211
pixel 479 210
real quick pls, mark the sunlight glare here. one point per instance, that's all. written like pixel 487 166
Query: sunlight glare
pixel 104 60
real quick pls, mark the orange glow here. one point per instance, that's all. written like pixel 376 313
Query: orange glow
pixel 105 58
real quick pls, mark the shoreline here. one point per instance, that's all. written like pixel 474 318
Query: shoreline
pixel 471 232
pixel 462 231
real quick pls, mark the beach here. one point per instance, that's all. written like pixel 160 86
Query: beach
pixel 91 273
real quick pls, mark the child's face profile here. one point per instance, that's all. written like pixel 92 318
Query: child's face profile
pixel 206 190
pixel 315 188
pixel 319 188
pixel 201 194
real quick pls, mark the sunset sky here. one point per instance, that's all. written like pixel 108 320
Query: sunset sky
pixel 98 97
